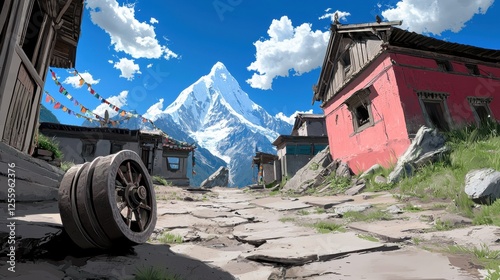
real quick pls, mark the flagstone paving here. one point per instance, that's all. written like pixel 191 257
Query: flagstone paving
pixel 237 234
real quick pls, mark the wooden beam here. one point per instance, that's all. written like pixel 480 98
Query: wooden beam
pixel 62 11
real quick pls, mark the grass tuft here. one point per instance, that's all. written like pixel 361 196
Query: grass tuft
pixel 49 144
pixel 327 227
pixel 154 273
pixel 170 238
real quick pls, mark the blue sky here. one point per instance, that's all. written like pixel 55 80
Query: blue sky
pixel 138 53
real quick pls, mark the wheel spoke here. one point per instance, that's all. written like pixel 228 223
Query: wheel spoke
pixel 122 177
pixel 144 206
pixel 139 219
pixel 130 172
pixel 138 179
pixel 129 217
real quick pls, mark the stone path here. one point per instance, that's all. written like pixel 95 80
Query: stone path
pixel 233 234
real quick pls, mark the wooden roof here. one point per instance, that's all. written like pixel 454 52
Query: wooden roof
pixel 392 36
pixel 67 15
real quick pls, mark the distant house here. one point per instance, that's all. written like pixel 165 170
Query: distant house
pixel 34 34
pixel 265 164
pixel 379 84
pixel 308 137
pixel 83 144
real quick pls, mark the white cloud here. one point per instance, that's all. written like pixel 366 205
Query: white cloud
pixel 288 48
pixel 74 81
pixel 342 15
pixel 119 100
pixel 127 34
pixel 149 65
pixel 128 68
pixel 154 111
pixel 291 118
pixel 436 16
pixel 110 61
pixel 153 20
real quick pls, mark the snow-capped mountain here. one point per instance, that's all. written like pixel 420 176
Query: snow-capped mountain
pixel 220 117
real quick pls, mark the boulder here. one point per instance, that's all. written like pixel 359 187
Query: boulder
pixel 379 179
pixel 343 170
pixel 312 174
pixel 371 170
pixel 483 185
pixel 219 178
pixel 427 146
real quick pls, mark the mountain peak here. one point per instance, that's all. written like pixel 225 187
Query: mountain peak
pixel 218 66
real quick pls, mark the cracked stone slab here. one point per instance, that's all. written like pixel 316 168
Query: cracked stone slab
pixel 181 221
pixel 324 201
pixel 169 208
pixel 229 221
pixel 206 255
pixel 259 214
pixel 305 249
pixel 393 230
pixel 475 236
pixel 245 270
pixel 239 206
pixel 208 213
pixel 29 270
pixel 405 263
pixel 280 204
pixel 258 233
pixel 344 208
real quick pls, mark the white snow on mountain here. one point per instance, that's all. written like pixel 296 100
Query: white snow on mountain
pixel 221 118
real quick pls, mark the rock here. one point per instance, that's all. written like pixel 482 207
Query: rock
pixel 427 146
pixel 312 174
pixel 371 170
pixel 342 209
pixel 379 179
pixel 394 209
pixel 483 185
pixel 355 189
pixel 44 153
pixel 343 170
pixel 219 178
pixel 455 220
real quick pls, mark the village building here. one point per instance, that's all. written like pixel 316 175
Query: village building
pixel 165 158
pixel 308 137
pixel 33 36
pixel 379 84
pixel 265 164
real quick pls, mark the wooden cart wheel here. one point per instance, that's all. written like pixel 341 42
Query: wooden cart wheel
pixel 67 208
pixel 124 198
pixel 85 207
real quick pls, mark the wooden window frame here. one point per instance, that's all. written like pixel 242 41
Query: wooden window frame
pixel 435 97
pixel 444 65
pixel 360 98
pixel 87 143
pixel 169 165
pixel 473 69
pixel 480 102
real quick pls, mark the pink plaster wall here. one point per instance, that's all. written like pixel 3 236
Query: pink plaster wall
pixel 384 141
pixel 395 107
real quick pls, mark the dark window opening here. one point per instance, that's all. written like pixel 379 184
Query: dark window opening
pixel 473 69
pixel 482 113
pixel 435 113
pixel 444 65
pixel 173 163
pixel 346 60
pixel 88 149
pixel 30 39
pixel 362 115
pixel 116 147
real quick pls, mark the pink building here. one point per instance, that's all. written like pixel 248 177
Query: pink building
pixel 379 84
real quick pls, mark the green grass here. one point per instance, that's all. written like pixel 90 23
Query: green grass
pixel 66 165
pixel 303 212
pixel 160 180
pixel 412 208
pixel 366 216
pixel 49 144
pixel 287 219
pixel 327 227
pixel 471 148
pixel 319 210
pixel 488 215
pixel 314 166
pixel 337 184
pixel 170 238
pixel 443 225
pixel 484 256
pixel 368 237
pixel 416 240
pixel 154 273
